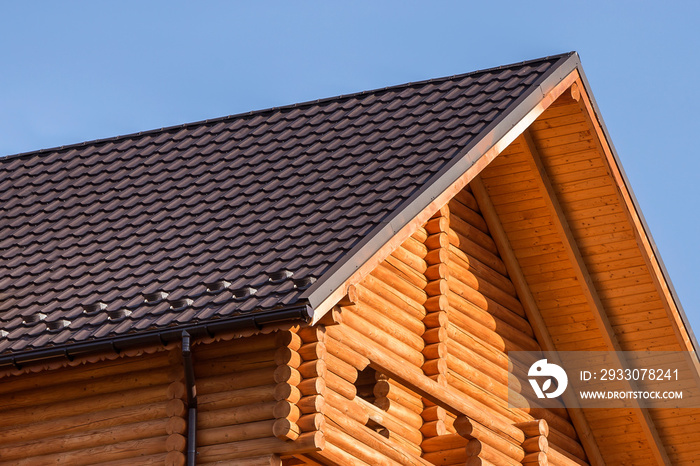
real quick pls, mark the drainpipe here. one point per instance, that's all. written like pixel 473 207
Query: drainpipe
pixel 191 401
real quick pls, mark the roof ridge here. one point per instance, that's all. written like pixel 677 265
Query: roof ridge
pixel 274 109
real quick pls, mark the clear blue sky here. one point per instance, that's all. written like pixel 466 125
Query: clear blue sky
pixel 74 71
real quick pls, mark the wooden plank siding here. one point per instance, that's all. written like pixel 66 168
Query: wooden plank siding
pixel 604 235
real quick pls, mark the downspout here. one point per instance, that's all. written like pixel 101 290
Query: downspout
pixel 191 400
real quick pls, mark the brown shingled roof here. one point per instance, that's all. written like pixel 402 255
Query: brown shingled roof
pixel 226 217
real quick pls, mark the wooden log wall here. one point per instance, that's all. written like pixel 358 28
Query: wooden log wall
pixel 124 411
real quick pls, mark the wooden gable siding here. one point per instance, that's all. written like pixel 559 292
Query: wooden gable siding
pixel 443 306
pixel 572 160
pixel 117 412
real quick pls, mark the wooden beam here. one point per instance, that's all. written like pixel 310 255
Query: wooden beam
pixel 533 312
pixel 587 286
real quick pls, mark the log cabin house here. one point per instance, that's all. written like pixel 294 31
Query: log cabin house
pixel 336 282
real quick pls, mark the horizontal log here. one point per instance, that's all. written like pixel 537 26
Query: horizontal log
pixel 476 461
pixel 315 386
pixel 398 325
pixel 390 279
pixel 133 449
pixel 482 450
pixel 481 270
pixel 233 398
pixel 416 246
pixel 176 425
pixel 435 335
pixel 287 339
pixel 435 305
pixel 398 301
pixel 345 353
pixel 557 456
pixel 311 422
pixel 437 240
pixel 405 271
pixel 286 374
pixel 395 392
pixel 435 366
pixel 468 428
pixel 99 386
pixel 401 349
pixel 173 458
pixel 313 368
pixel 311 334
pixel 340 386
pixel 285 391
pixel 408 415
pixel 503 298
pixel 311 404
pixel 332 454
pixel 286 410
pixel 413 378
pixel 485 398
pixel 433 428
pixel 285 429
pixel 534 428
pixel 447 457
pixel 435 351
pixel 480 379
pixel 437 225
pixel 175 442
pixel 287 357
pixel 263 460
pixel 410 319
pixel 359 434
pixel 535 459
pixel 356 448
pixel 341 368
pixel 565 443
pixel 228 382
pixel 175 408
pixel 437 271
pixel 393 424
pixel 313 350
pixel 253 344
pixel 82 440
pixel 234 363
pixel 11 433
pixel 437 287
pixel 477 251
pixel 348 408
pixel 535 444
pixel 237 415
pixel 444 442
pixel 306 443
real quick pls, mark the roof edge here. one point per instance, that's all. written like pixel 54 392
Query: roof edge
pixel 328 287
pixel 299 312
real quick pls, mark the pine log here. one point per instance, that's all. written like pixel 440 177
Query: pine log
pixel 476 377
pixel 286 410
pixel 233 398
pixel 557 456
pixel 413 378
pixel 349 408
pixel 389 277
pixel 393 424
pixel 237 415
pixel 103 453
pixel 398 410
pixel 175 442
pixel 286 374
pixel 175 408
pixel 12 433
pixel 58 394
pixel 465 230
pixel 416 246
pixel 375 304
pixel 307 442
pixel 535 459
pixel 288 339
pixel 311 422
pixel 315 386
pixel 485 398
pixel 412 260
pixel 437 240
pixel 481 270
pixel 82 440
pixel 284 429
pixel 373 447
pixel 175 425
pixel 331 454
pixel 286 356
pixel 437 224
pixel 479 252
pixel 433 428
pixel 253 344
pixel 285 391
pixel 493 357
pixel 379 288
pixel 312 334
pixel 341 368
pixel 481 285
pixel 535 444
pixel 437 272
pixel 264 460
pixel 173 458
pixel 345 353
pixel 311 404
pixel 313 350
pixel 434 305
pixel 390 343
pixel 476 461
pixel 226 382
pixel 314 368
pixel 395 325
pixel 446 457
pixel 534 428
pixel 444 442
pixel 468 428
pixel 234 363
pixel 395 392
pixel 405 271
pixel 75 375
pixel 565 443
pixel 482 450
pixel 341 386
pixel 437 287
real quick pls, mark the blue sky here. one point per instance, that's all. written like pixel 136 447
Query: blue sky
pixel 74 71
